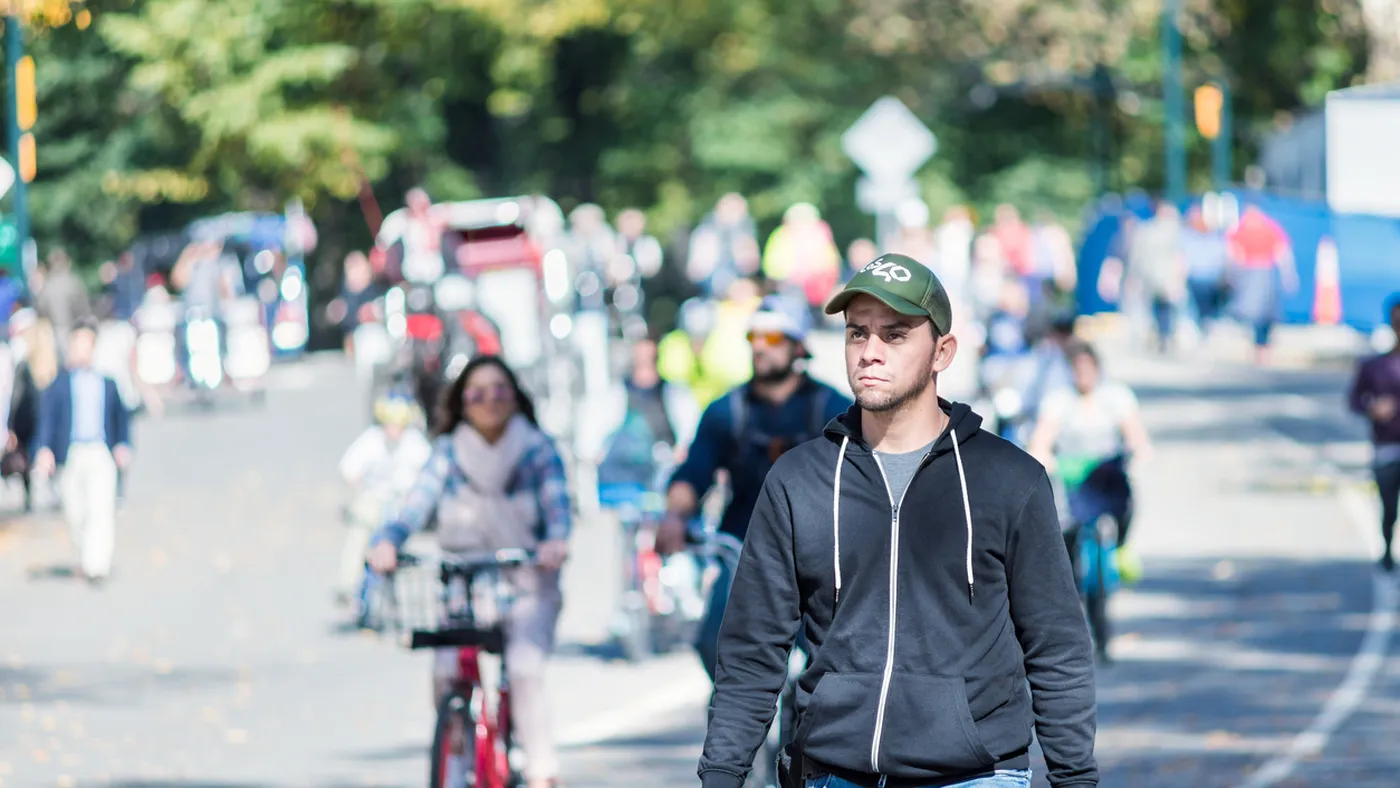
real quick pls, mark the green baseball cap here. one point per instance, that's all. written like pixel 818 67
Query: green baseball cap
pixel 903 284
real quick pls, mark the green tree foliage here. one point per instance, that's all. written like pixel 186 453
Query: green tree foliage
pixel 164 110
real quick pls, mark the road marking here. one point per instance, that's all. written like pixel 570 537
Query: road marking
pixel 1370 657
pixel 620 721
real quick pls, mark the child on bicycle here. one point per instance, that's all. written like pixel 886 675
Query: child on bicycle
pixel 380 467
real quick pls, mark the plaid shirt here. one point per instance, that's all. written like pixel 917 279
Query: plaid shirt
pixel 541 471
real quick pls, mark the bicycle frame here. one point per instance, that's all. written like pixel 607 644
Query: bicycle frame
pixel 492 764
pixel 491 732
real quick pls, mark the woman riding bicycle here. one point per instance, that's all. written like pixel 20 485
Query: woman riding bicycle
pixel 1086 431
pixel 495 482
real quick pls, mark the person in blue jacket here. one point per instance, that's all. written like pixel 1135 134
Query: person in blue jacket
pixel 85 429
pixel 743 433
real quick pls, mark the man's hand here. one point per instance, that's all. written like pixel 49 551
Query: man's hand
pixel 1382 409
pixel 553 553
pixel 383 558
pixel 121 454
pixel 44 462
pixel 670 535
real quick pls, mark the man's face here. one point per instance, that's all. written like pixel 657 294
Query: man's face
pixel 1395 319
pixel 1086 373
pixel 80 345
pixel 774 356
pixel 644 359
pixel 731 209
pixel 417 201
pixel 631 223
pixel 891 358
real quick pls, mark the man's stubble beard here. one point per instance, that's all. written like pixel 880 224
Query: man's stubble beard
pixel 886 403
pixel 777 374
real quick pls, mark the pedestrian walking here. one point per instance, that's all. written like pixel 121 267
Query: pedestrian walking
pixel 1263 271
pixel 1375 394
pixel 925 557
pixel 84 430
pixel 1157 270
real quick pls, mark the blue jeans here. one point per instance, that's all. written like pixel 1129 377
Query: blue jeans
pixel 1003 778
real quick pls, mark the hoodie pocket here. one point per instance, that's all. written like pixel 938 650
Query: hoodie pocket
pixel 929 727
pixel 839 720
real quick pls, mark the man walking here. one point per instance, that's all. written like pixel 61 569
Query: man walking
pixel 925 558
pixel 1375 394
pixel 83 428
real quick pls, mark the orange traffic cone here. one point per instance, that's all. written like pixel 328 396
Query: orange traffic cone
pixel 1327 291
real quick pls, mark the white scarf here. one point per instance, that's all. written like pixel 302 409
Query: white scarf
pixel 482 514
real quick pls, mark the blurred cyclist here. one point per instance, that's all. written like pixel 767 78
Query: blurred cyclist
pixel 744 433
pixel 380 467
pixel 1094 423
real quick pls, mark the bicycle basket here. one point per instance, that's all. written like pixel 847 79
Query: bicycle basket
pixel 411 599
pixel 432 615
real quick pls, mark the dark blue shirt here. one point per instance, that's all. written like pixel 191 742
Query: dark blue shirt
pixel 127 291
pixel 769 429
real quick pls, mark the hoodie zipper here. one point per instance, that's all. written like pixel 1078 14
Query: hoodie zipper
pixel 895 506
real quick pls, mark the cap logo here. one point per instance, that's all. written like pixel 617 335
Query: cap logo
pixel 889 271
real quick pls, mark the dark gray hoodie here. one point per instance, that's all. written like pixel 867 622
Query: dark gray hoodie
pixel 926 617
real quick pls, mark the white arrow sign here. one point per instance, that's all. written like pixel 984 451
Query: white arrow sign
pixel 888 142
pixel 7 177
pixel 884 196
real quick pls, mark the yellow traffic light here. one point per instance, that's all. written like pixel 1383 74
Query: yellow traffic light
pixel 27 109
pixel 1209 104
pixel 27 165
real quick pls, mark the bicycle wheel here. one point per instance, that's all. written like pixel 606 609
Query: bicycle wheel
pixel 1105 533
pixel 454 744
pixel 636 640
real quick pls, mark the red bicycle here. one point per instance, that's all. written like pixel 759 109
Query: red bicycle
pixel 473 727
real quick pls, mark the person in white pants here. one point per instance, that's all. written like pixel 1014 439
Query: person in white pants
pixel 84 428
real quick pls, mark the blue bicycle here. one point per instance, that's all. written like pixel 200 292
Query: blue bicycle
pixel 1098 500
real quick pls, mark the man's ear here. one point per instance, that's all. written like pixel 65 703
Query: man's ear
pixel 945 348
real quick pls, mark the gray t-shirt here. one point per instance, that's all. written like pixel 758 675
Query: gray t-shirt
pixel 900 468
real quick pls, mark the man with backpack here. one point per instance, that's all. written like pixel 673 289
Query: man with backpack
pixel 744 433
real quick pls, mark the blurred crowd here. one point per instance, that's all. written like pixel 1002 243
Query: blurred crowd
pixel 1176 279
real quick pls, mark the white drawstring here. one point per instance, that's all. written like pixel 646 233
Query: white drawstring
pixel 836 512
pixel 967 507
pixel 836 517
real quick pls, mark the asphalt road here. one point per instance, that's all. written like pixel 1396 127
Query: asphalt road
pixel 215 657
